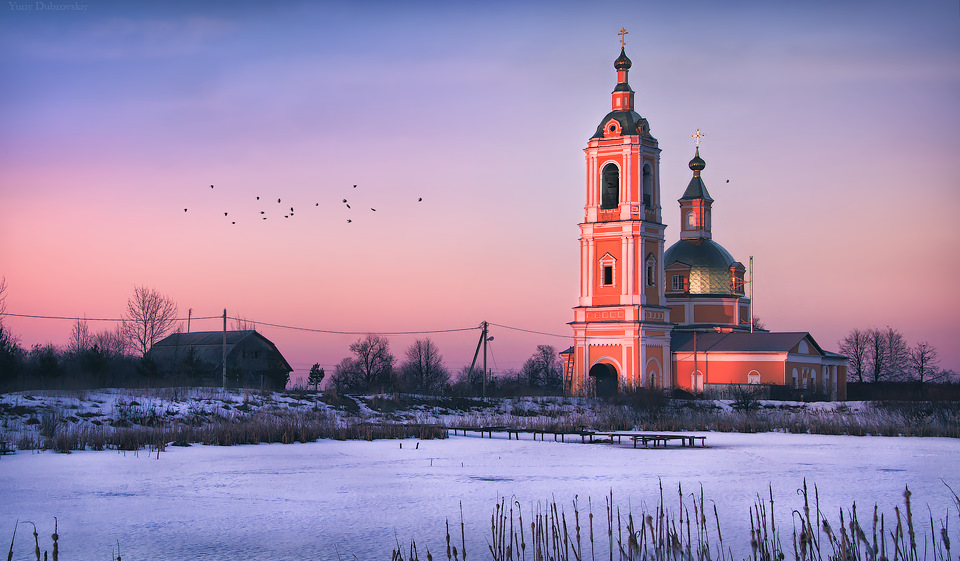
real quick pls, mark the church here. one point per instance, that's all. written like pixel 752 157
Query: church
pixel 675 318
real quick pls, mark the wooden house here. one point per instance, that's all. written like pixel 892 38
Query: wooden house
pixel 253 361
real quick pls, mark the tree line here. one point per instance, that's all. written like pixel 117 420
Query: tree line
pixel 118 357
pixel 372 367
pixel 882 355
pixel 111 357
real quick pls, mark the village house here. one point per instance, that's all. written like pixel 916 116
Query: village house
pixel 252 360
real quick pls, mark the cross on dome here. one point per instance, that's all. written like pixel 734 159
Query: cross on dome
pixel 697 136
pixel 623 31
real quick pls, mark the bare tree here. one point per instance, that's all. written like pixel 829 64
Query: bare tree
pixel 876 354
pixel 923 361
pixel 371 366
pixel 3 299
pixel 150 316
pixel 80 337
pixel 423 369
pixel 544 369
pixel 374 361
pixel 241 323
pixel 854 346
pixel 898 354
pixel 111 341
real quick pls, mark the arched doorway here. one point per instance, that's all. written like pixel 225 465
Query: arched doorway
pixel 605 379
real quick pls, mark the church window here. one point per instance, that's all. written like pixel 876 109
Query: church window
pixel 706 220
pixel 651 270
pixel 691 221
pixel 753 377
pixel 678 283
pixel 607 275
pixel 610 187
pixel 647 185
pixel 737 283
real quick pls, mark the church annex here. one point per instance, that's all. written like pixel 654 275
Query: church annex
pixel 677 318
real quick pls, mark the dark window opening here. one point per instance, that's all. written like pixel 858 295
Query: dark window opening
pixel 607 275
pixel 647 185
pixel 610 187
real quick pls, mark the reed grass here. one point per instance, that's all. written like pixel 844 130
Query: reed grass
pixel 687 530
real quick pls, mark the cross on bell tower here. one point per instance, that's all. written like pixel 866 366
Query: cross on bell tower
pixel 621 325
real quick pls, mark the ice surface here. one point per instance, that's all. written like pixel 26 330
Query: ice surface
pixel 311 501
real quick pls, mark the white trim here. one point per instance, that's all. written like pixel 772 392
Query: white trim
pixel 718 356
pixel 616 364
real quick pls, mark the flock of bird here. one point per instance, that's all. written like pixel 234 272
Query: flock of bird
pixel 290 213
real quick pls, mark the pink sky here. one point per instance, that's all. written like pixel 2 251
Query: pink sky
pixel 836 126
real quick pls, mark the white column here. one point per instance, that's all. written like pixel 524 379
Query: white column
pixel 626 249
pixel 591 266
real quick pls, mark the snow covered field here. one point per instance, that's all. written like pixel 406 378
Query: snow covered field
pixel 311 501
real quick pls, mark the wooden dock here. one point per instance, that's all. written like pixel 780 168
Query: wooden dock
pixel 646 439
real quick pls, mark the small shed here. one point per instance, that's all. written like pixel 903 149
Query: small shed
pixel 253 361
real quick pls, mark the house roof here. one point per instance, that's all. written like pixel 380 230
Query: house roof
pixel 744 342
pixel 209 344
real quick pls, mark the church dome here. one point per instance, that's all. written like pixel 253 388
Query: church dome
pixel 709 265
pixel 630 123
pixel 622 62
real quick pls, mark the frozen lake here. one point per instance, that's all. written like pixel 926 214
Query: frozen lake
pixel 309 501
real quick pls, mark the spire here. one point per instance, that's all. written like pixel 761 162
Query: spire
pixel 696 189
pixel 696 201
pixel 622 94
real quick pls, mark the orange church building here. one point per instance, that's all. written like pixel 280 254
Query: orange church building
pixel 677 318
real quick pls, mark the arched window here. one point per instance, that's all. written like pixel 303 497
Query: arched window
pixel 690 221
pixel 647 185
pixel 610 186
pixel 651 276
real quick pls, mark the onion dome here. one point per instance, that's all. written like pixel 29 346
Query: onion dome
pixel 710 265
pixel 696 189
pixel 622 62
pixel 697 164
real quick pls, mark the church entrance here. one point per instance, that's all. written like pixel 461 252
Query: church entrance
pixel 605 379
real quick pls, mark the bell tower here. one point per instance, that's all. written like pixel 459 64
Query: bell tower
pixel 621 325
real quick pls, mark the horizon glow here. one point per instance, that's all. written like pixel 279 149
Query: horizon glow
pixel 835 126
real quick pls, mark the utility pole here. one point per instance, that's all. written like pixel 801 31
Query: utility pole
pixel 751 294
pixel 224 348
pixel 189 314
pixel 484 359
pixel 695 366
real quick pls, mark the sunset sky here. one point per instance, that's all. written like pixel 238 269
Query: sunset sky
pixel 837 124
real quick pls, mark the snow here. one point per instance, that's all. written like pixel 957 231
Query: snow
pixel 333 499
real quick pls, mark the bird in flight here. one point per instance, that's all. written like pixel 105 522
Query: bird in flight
pixel 349 221
pixel 211 186
pixel 373 209
pixel 420 200
pixel 184 210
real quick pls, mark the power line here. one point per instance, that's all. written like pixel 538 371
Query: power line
pixel 330 331
pixel 254 322
pixel 78 318
pixel 531 331
pixel 313 330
